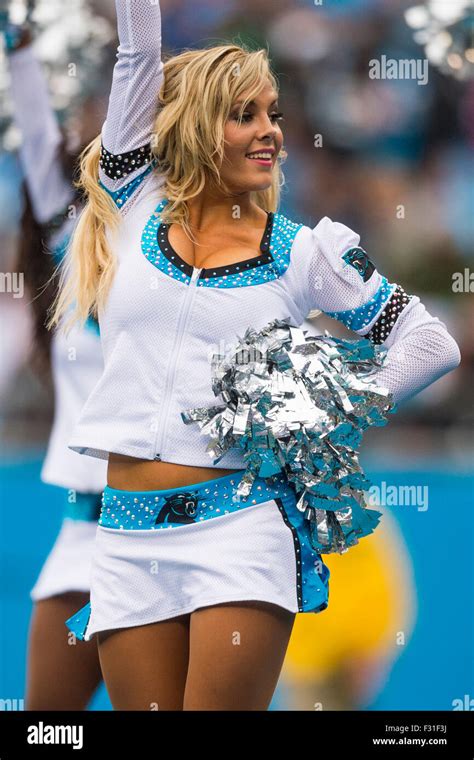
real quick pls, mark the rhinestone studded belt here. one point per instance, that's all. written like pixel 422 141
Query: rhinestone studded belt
pixel 174 507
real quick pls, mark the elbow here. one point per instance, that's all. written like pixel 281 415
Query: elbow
pixel 450 353
pixel 428 355
pixel 444 356
pixel 441 350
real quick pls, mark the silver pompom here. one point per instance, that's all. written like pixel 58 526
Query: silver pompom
pixel 298 405
pixel 70 41
pixel 444 29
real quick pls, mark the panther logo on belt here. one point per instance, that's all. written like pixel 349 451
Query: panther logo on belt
pixel 358 259
pixel 180 508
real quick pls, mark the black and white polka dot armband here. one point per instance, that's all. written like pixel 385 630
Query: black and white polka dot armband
pixel 120 165
pixel 387 319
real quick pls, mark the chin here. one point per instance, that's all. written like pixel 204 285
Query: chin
pixel 262 187
pixel 247 186
pixel 262 184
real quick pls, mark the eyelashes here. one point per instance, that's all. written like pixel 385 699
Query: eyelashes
pixel 247 117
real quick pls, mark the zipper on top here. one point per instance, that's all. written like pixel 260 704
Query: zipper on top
pixel 175 351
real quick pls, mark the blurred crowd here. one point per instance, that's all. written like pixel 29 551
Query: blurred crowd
pixel 391 158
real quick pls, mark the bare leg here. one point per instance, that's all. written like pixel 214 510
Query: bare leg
pixel 60 676
pixel 145 666
pixel 236 655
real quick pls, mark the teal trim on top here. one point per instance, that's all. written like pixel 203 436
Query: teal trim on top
pixel 269 265
pixel 121 196
pixel 357 319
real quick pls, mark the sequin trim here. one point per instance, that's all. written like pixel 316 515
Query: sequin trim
pixel 238 267
pixel 385 323
pixel 121 196
pixel 311 586
pixel 155 510
pixel 357 319
pixel 118 165
pixel 152 251
pixel 297 546
pixel 269 265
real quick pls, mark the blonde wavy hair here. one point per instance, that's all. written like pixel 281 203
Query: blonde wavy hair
pixel 187 143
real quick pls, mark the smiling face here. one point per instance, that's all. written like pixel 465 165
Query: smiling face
pixel 259 132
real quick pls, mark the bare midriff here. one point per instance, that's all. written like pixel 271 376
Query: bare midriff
pixel 130 474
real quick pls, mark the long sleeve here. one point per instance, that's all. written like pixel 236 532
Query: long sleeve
pixel 49 189
pixel 133 103
pixel 336 276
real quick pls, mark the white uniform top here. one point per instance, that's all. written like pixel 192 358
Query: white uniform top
pixel 76 361
pixel 164 318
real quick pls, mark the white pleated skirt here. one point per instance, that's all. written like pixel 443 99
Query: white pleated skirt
pixel 145 576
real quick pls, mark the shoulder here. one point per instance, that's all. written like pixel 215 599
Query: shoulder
pixel 325 231
pixel 334 244
pixel 291 245
pixel 326 237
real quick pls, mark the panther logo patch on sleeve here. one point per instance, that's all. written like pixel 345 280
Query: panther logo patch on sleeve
pixel 358 259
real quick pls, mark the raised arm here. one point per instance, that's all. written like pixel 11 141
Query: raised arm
pixel 137 78
pixel 337 276
pixel 50 190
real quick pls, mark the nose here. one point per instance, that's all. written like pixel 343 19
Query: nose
pixel 268 129
pixel 267 138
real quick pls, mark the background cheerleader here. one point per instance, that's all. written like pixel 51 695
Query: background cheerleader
pixel 59 676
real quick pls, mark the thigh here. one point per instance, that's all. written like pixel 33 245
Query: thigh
pixel 144 667
pixel 60 675
pixel 236 654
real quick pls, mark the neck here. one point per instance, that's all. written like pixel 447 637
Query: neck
pixel 211 209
